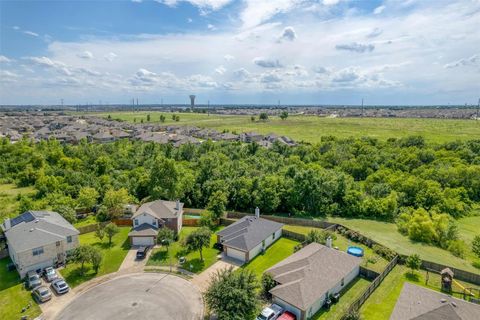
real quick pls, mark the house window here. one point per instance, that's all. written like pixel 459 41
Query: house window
pixel 136 222
pixel 58 243
pixel 69 239
pixel 37 251
pixel 263 243
pixel 273 236
pixel 343 282
pixel 154 222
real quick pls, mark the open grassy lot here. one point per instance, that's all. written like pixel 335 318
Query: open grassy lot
pixel 348 295
pixel 281 249
pixel 160 257
pixel 112 257
pixel 381 303
pixel 371 260
pixel 14 296
pixel 312 128
pixel 388 235
pixel 8 199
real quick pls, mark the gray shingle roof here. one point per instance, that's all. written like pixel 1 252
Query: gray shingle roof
pixel 45 228
pixel 248 232
pixel 160 209
pixel 144 229
pixel 420 303
pixel 308 274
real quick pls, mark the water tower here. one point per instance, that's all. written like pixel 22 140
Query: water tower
pixel 192 101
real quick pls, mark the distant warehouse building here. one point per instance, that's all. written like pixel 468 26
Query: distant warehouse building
pixel 249 236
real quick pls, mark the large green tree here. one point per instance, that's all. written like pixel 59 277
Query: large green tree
pixel 198 239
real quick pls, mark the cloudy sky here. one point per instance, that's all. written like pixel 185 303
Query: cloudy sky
pixel 247 51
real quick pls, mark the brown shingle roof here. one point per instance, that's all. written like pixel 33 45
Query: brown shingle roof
pixel 160 209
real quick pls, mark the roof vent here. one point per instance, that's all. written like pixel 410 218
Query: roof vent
pixel 443 300
pixel 31 230
pixel 454 304
pixel 36 220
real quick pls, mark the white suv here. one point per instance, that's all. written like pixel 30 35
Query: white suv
pixel 270 313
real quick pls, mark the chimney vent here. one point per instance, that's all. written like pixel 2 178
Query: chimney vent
pixel 7 224
pixel 177 205
pixel 257 212
pixel 329 242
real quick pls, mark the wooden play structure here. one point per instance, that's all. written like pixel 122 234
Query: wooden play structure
pixel 447 279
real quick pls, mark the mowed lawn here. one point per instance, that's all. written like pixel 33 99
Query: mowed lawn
pixel 312 128
pixel 381 303
pixel 371 260
pixel 160 256
pixel 388 235
pixel 13 295
pixel 281 249
pixel 112 257
pixel 348 295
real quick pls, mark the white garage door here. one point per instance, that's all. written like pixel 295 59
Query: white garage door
pixel 236 254
pixel 142 241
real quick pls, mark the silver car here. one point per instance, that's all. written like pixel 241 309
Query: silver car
pixel 60 286
pixel 42 294
pixel 33 280
pixel 50 274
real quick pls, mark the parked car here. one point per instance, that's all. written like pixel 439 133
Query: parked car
pixel 142 252
pixel 33 280
pixel 50 274
pixel 287 315
pixel 60 286
pixel 42 294
pixel 270 313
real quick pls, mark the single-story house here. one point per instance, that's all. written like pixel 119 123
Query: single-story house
pixel 420 303
pixel 247 237
pixel 154 215
pixel 39 239
pixel 308 277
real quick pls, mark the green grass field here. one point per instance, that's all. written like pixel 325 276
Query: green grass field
pixel 381 303
pixel 388 235
pixel 281 249
pixel 160 257
pixel 312 128
pixel 13 295
pixel 112 257
pixel 371 260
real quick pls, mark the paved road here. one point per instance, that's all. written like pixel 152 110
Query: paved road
pixel 138 296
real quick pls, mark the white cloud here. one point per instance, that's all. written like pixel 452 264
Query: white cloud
pixel 137 1
pixel 321 70
pixel 228 57
pixel 85 55
pixel 471 61
pixel 257 12
pixel 211 27
pixel 242 74
pixel 374 33
pixel 379 9
pixel 330 2
pixel 202 81
pixel 30 33
pixel 356 47
pixel 4 59
pixel 16 28
pixel 189 20
pixel 346 75
pixel 288 34
pixel 270 77
pixel 220 70
pixel 110 56
pixel 201 4
pixel 266 62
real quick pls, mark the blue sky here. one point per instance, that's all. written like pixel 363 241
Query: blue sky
pixel 248 51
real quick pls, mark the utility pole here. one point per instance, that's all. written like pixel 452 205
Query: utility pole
pixel 363 110
pixel 478 109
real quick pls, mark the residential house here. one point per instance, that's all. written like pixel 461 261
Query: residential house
pixel 249 236
pixel 39 239
pixel 154 215
pixel 420 303
pixel 307 278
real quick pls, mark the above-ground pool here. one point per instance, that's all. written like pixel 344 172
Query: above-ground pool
pixel 355 251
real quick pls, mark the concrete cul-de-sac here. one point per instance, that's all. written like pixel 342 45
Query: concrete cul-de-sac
pixel 138 296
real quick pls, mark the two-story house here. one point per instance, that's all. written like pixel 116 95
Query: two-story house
pixel 39 239
pixel 154 215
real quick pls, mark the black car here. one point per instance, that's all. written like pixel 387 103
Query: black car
pixel 142 252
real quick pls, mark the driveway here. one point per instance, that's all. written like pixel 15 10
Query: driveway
pixel 137 296
pixel 202 280
pixel 131 264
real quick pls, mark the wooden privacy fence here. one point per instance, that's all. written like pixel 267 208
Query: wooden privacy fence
pixel 458 274
pixel 191 222
pixel 123 222
pixel 287 220
pixel 293 235
pixel 355 306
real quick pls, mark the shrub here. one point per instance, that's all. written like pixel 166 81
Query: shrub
pixel 267 284
pixel 458 248
pixel 383 252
